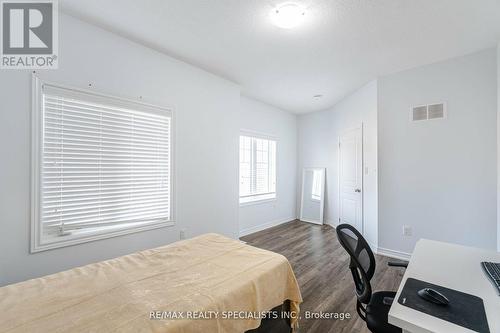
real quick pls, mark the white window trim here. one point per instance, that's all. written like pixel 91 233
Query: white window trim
pixel 258 199
pixel 84 236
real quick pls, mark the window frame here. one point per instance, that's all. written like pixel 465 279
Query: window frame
pixel 265 197
pixel 37 242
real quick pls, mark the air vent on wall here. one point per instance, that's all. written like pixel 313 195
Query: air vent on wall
pixel 419 113
pixel 436 111
pixel 428 112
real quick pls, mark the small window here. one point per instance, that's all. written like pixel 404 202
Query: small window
pixel 101 167
pixel 257 169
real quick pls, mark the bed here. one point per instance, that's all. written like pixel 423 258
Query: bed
pixel 209 283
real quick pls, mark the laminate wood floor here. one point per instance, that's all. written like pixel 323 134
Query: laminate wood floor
pixel 321 267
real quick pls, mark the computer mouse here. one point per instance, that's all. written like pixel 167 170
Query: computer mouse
pixel 433 296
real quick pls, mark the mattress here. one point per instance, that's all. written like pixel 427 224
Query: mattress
pixel 209 283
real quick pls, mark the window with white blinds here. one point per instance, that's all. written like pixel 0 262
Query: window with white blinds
pixel 257 168
pixel 104 166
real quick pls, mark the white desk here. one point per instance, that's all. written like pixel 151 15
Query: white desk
pixel 451 266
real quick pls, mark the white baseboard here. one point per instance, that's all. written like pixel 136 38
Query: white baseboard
pixel 331 223
pixel 373 247
pixel 311 221
pixel 394 254
pixel 264 226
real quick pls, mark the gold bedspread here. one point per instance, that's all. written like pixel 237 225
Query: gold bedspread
pixel 205 276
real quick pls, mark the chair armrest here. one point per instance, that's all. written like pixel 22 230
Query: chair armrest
pixel 398 264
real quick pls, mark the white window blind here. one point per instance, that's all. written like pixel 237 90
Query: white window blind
pixel 105 164
pixel 257 168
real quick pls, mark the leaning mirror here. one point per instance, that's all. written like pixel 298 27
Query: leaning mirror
pixel 313 195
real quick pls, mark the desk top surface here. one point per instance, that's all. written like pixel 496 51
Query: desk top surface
pixel 452 266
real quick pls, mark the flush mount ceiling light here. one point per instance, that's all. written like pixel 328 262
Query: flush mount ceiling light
pixel 288 15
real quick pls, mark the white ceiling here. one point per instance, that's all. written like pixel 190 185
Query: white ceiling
pixel 341 45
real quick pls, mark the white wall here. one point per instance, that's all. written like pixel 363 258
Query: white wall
pixel 206 160
pixel 498 148
pixel 439 177
pixel 262 118
pixel 318 147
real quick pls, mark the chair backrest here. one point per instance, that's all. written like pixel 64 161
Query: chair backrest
pixel 362 263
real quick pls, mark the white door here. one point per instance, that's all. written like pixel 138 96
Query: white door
pixel 351 178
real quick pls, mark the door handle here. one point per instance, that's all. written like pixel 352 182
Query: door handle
pixel 357 190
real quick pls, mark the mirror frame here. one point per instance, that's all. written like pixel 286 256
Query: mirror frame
pixel 322 202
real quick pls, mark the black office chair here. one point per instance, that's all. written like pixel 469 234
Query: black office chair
pixel 373 308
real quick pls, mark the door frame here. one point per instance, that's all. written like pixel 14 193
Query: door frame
pixel 360 127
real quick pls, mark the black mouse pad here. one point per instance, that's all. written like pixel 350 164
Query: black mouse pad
pixel 464 310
